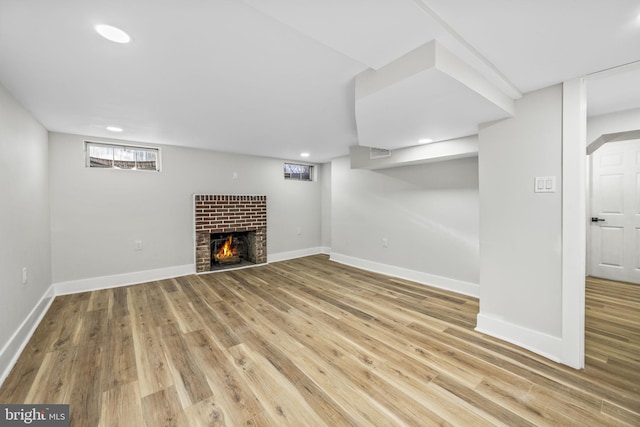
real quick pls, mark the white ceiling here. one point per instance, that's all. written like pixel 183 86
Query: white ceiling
pixel 276 77
pixel 615 90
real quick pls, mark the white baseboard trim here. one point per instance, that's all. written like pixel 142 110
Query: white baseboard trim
pixel 117 280
pixel 540 343
pixel 454 285
pixel 14 347
pixel 283 256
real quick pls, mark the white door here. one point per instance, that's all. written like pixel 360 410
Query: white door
pixel 615 212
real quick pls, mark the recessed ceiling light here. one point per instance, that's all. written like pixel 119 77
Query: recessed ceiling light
pixel 425 140
pixel 114 129
pixel 304 154
pixel 112 33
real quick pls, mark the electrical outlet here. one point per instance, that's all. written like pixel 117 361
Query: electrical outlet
pixel 24 275
pixel 138 245
pixel 385 242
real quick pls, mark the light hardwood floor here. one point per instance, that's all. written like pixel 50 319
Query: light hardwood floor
pixel 309 342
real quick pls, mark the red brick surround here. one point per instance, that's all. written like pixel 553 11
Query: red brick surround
pixel 228 214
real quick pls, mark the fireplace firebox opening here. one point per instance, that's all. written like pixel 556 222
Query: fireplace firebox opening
pixel 233 249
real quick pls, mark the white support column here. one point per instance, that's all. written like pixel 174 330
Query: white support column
pixel 574 131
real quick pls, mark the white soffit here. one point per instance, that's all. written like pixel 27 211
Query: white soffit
pixel 428 153
pixel 427 93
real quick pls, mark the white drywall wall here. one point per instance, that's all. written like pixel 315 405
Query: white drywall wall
pixel 97 215
pixel 520 231
pixel 24 224
pixel 428 215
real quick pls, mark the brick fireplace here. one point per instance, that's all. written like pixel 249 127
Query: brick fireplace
pixel 226 214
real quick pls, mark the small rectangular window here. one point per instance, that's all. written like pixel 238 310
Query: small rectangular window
pixel 116 156
pixel 298 172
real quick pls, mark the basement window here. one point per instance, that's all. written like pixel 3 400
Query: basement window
pixel 116 156
pixel 297 172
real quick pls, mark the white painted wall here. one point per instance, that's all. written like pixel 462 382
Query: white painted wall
pixel 96 215
pixel 520 231
pixel 325 206
pixel 428 213
pixel 24 225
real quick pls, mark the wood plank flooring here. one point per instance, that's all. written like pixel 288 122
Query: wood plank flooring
pixel 310 342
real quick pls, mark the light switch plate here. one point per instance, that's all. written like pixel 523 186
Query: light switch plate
pixel 545 184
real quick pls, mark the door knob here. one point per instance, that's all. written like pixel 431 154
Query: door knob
pixel 595 219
